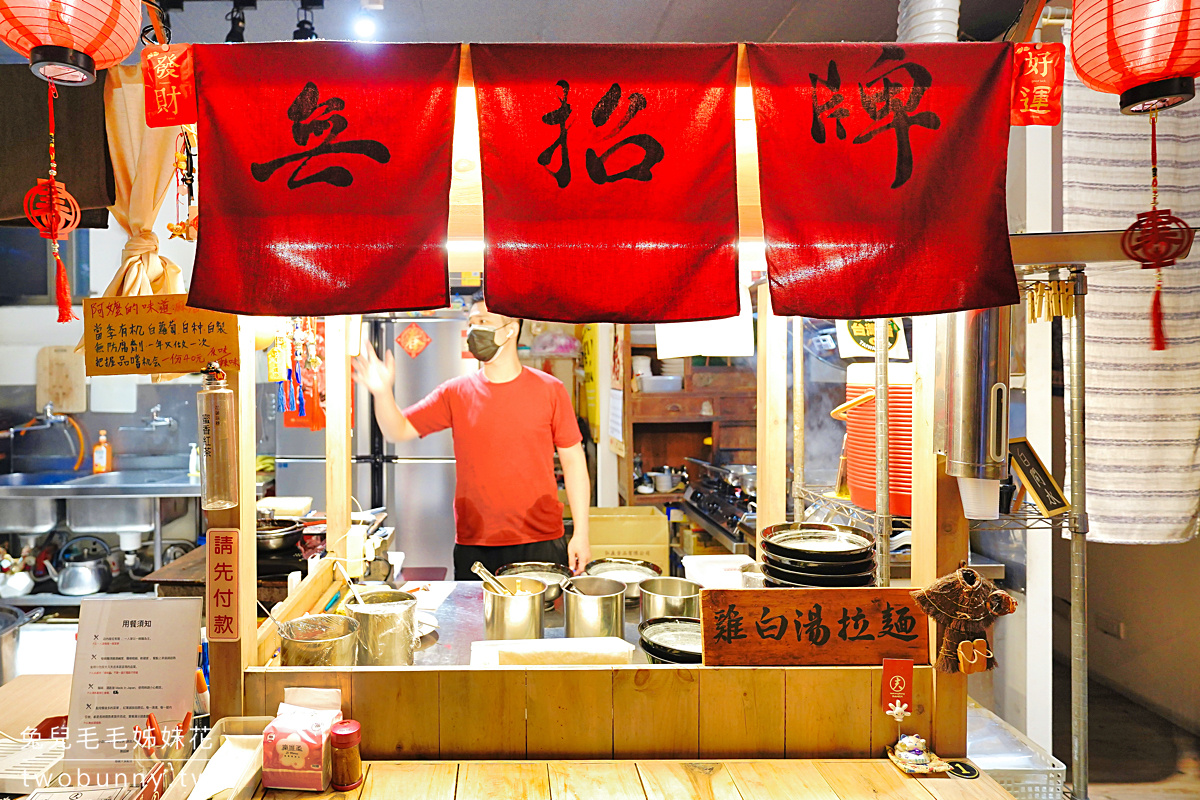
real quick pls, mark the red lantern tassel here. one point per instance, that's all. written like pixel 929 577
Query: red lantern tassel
pixel 1156 320
pixel 62 291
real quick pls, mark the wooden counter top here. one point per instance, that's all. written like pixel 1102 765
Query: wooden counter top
pixel 652 780
pixel 26 700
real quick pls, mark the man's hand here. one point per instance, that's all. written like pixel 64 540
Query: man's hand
pixel 579 553
pixel 378 376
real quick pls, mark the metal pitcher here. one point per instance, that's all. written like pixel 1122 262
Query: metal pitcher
pixel 518 616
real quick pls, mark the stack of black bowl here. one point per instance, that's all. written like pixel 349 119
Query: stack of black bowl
pixel 817 555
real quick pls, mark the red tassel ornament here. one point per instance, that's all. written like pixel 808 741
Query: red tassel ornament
pixel 1156 318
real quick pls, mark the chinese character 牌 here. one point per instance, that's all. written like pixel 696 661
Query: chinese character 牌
pixel 312 119
pixel 894 93
pixel 652 149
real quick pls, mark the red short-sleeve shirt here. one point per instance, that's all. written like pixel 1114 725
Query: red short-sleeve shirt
pixel 504 440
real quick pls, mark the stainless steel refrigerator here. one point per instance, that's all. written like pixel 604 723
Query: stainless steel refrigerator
pixel 418 476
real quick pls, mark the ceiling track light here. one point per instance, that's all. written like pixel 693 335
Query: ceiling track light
pixel 237 24
pixel 304 25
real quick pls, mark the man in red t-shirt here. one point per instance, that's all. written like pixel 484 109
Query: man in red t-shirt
pixel 507 421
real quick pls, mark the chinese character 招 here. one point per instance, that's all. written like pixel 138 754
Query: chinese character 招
pixel 602 114
pixel 312 119
pixel 729 625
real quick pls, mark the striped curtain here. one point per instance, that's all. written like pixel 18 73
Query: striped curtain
pixel 1143 406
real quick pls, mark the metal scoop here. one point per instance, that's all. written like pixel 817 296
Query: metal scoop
pixel 479 569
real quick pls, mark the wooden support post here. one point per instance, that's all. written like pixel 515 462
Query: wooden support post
pixel 940 533
pixel 772 413
pixel 339 543
pixel 228 660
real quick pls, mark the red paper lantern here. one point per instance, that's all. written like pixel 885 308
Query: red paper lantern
pixel 66 41
pixel 1147 51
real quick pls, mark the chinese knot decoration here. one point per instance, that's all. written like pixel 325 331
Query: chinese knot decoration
pixel 1148 53
pixel 1156 240
pixel 55 213
pixel 966 604
pixel 1037 83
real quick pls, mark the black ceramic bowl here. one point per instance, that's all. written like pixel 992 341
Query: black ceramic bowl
pixel 672 640
pixel 821 567
pixel 819 581
pixel 821 541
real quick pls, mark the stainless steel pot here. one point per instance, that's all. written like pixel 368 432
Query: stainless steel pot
pixel 515 616
pixel 318 640
pixel 670 597
pixel 84 572
pixel 744 476
pixel 547 572
pixel 278 534
pixel 387 627
pixel 594 607
pixel 11 621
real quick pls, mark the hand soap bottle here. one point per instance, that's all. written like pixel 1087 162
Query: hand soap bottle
pixel 102 460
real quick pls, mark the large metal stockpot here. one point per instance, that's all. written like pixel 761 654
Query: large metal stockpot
pixel 594 607
pixel 11 621
pixel 517 616
pixel 387 627
pixel 670 597
pixel 318 640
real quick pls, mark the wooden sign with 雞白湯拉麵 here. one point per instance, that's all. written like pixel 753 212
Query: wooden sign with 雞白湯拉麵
pixel 811 627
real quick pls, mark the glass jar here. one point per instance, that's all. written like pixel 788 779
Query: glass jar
pixel 218 441
pixel 347 762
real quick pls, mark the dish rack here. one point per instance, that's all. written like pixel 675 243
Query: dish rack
pixel 1014 761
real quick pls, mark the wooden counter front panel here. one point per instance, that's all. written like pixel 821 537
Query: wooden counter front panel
pixel 514 713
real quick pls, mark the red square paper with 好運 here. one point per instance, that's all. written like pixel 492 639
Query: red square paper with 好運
pixel 324 176
pixel 609 181
pixel 882 175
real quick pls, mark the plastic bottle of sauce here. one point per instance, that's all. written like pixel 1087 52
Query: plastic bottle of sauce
pixel 102 460
pixel 347 762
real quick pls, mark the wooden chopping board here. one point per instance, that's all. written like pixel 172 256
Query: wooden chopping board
pixel 60 379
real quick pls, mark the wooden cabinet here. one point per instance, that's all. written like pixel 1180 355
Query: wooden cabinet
pixel 712 419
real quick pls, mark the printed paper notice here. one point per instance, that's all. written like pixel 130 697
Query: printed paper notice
pixel 134 658
pixel 154 334
pixel 616 421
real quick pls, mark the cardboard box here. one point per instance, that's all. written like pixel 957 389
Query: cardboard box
pixel 628 526
pixel 695 542
pixel 659 554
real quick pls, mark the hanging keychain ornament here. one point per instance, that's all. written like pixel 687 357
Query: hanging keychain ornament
pixel 1156 240
pixel 55 213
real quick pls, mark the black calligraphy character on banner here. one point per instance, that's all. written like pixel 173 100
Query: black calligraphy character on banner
pixel 883 96
pixel 729 625
pixel 901 627
pixel 861 626
pixel 831 107
pixel 311 119
pixel 771 627
pixel 652 149
pixel 817 633
pixel 558 117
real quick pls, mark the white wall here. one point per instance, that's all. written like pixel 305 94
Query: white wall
pixel 26 329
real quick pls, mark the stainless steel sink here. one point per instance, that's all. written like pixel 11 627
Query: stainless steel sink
pixel 133 477
pixel 30 514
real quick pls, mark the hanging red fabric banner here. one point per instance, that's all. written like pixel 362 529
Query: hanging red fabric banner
pixel 609 183
pixel 881 169
pixel 1037 85
pixel 324 177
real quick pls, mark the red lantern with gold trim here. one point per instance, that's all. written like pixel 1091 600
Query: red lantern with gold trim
pixel 1147 51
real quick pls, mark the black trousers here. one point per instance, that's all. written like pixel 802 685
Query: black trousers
pixel 553 550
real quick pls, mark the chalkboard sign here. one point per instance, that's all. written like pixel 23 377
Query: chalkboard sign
pixel 811 627
pixel 1037 479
